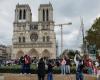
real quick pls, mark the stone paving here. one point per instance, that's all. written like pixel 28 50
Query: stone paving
pixel 1 77
pixel 34 77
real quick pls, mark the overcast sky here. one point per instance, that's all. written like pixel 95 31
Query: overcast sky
pixel 64 11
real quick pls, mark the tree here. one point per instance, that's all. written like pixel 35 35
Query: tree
pixel 70 53
pixel 93 34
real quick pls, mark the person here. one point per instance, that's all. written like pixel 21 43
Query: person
pixel 41 70
pixel 67 65
pixel 27 63
pixel 50 70
pixel 79 67
pixel 76 60
pixel 90 67
pixel 98 73
pixel 57 63
pixel 21 61
pixel 63 62
pixel 79 71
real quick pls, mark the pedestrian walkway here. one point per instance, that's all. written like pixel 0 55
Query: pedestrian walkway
pixel 34 77
pixel 1 77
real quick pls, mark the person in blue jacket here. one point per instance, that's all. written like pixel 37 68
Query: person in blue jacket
pixel 79 71
pixel 50 70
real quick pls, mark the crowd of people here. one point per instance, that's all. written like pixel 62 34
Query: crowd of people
pixel 82 65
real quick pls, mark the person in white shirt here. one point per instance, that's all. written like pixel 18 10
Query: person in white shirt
pixel 76 60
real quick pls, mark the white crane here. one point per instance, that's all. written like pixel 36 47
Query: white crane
pixel 61 25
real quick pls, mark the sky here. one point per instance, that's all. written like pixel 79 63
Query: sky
pixel 65 11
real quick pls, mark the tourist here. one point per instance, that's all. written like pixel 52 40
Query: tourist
pixel 79 71
pixel 67 66
pixel 63 62
pixel 90 67
pixel 41 70
pixel 27 63
pixel 21 61
pixel 76 60
pixel 98 73
pixel 79 67
pixel 50 70
pixel 57 63
pixel 94 70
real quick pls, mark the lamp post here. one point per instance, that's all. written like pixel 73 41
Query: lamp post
pixel 61 26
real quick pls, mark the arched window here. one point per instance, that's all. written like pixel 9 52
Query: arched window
pixel 24 14
pixel 43 15
pixel 48 38
pixel 19 39
pixel 47 15
pixel 23 39
pixel 43 38
pixel 20 14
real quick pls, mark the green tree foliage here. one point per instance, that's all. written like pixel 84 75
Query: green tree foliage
pixel 93 34
pixel 69 53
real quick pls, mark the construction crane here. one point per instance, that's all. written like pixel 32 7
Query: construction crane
pixel 61 26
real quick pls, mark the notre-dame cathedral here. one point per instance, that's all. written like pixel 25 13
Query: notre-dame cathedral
pixel 37 39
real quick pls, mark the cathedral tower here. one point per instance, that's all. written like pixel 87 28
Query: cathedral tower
pixel 23 13
pixel 45 13
pixel 37 39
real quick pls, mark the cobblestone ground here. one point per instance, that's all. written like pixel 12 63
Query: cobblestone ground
pixel 34 77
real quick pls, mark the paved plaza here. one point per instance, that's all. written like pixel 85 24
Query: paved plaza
pixel 34 77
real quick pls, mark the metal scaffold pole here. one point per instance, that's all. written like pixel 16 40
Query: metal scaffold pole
pixel 61 26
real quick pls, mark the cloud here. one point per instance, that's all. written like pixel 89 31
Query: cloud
pixel 64 11
pixel 72 8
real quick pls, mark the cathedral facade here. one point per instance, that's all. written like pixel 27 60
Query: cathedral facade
pixel 37 39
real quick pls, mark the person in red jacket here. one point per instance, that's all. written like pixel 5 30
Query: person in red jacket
pixel 27 63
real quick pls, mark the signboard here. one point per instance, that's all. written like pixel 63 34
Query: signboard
pixel 92 50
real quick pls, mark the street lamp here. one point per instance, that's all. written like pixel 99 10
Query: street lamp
pixel 61 25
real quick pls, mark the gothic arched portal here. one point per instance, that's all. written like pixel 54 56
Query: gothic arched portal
pixel 46 53
pixel 33 53
pixel 19 54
